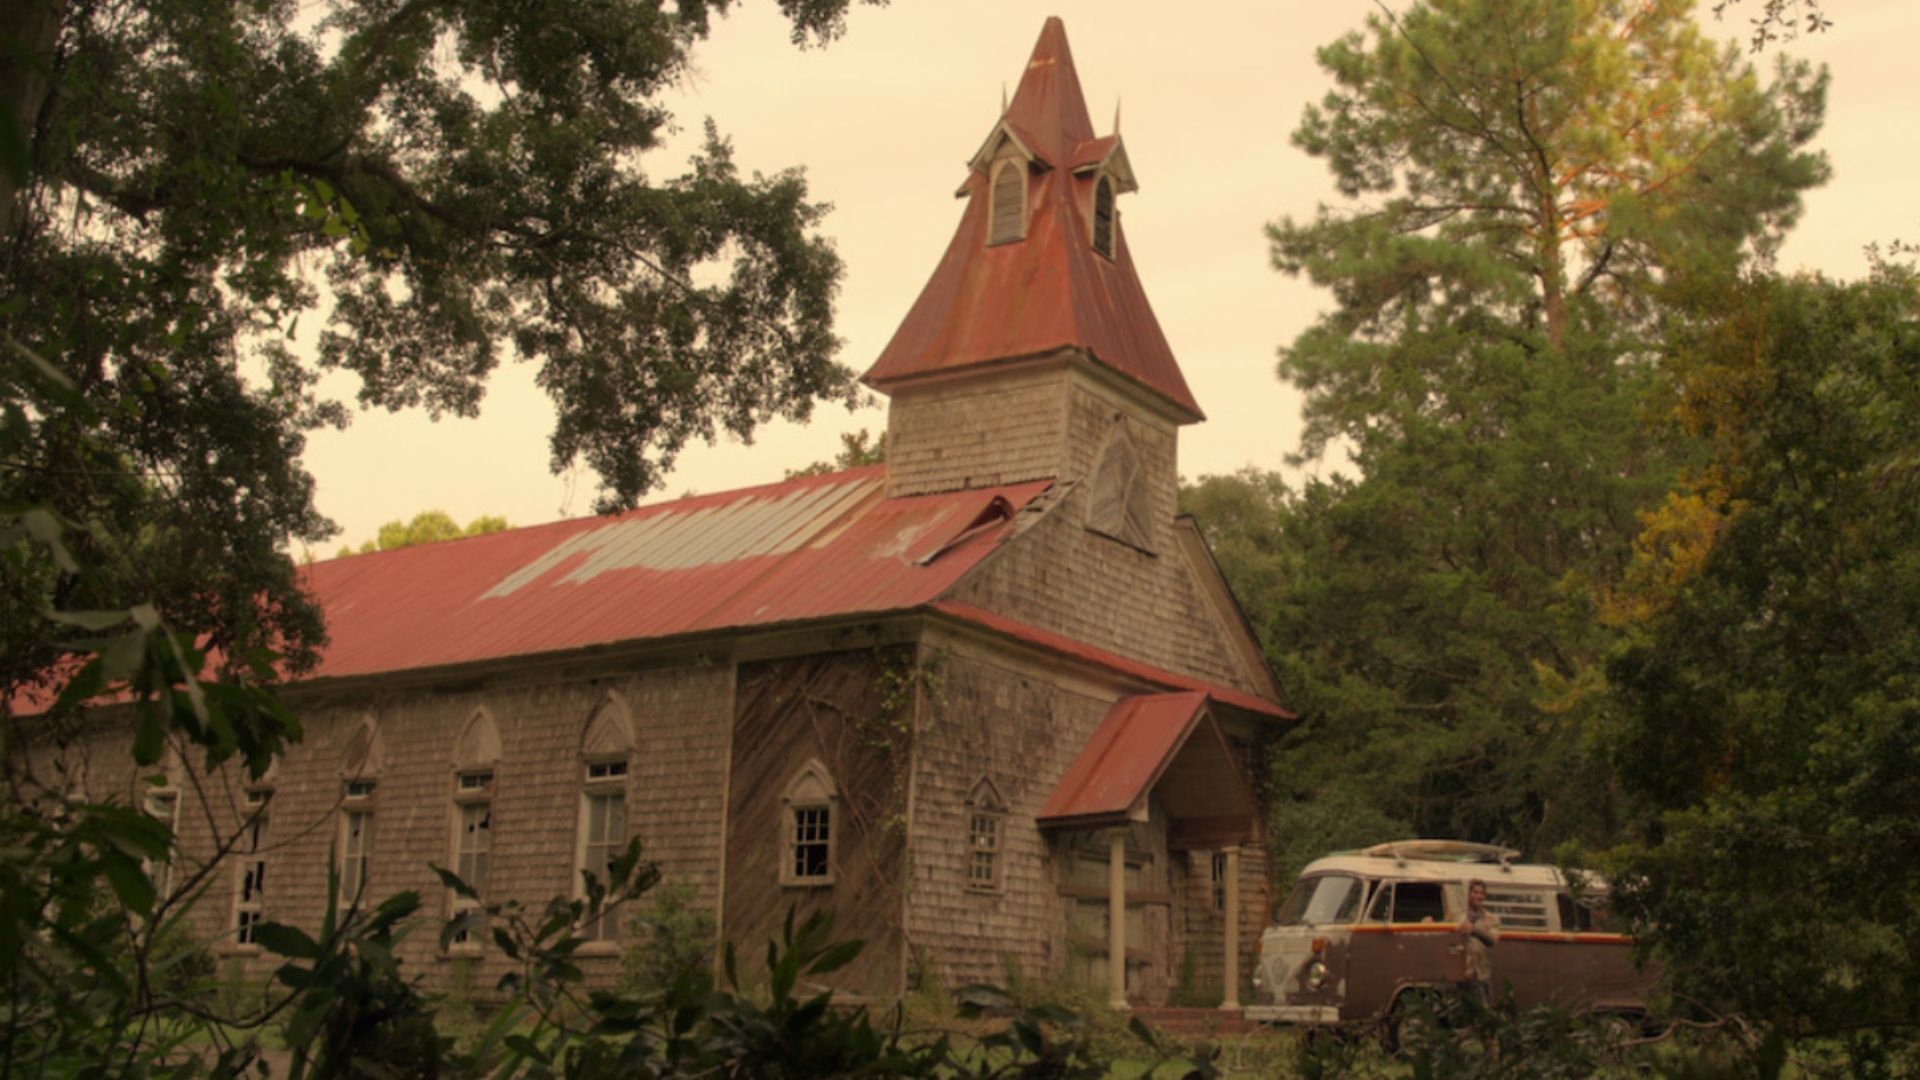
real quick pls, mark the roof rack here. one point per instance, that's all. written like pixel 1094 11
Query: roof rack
pixel 1444 850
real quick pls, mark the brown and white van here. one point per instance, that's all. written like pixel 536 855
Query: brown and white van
pixel 1363 932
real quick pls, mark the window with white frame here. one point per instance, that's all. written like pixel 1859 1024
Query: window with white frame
pixel 356 838
pixel 986 832
pixel 983 851
pixel 807 847
pixel 472 844
pixel 603 833
pixel 163 806
pixel 250 881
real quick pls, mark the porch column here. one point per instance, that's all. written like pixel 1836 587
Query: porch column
pixel 1117 919
pixel 1231 1000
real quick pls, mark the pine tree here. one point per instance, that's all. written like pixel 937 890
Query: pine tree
pixel 1521 180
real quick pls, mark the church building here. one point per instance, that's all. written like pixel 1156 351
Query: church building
pixel 991 703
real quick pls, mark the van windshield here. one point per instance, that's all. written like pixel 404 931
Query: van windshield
pixel 1332 898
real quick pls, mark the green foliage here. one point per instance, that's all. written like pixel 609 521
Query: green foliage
pixel 99 974
pixel 468 177
pixel 1769 736
pixel 427 527
pixel 1521 182
pixel 668 938
pixel 857 448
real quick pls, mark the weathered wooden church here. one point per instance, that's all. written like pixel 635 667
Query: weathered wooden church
pixel 991 703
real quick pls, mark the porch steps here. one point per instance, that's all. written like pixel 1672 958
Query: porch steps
pixel 1191 1023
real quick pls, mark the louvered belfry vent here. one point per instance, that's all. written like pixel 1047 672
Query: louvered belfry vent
pixel 1103 217
pixel 1009 204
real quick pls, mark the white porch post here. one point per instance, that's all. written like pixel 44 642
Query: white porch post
pixel 1117 919
pixel 1231 1000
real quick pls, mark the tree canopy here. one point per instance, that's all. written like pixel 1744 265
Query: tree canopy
pixel 427 527
pixel 1768 679
pixel 1523 183
pixel 466 182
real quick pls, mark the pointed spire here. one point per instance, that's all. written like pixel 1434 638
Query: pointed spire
pixel 1049 289
pixel 1116 115
pixel 1003 98
pixel 1048 105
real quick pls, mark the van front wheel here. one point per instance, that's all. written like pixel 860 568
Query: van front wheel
pixel 1413 1014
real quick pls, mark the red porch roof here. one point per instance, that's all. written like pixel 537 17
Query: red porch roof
pixel 1128 751
pixel 1155 742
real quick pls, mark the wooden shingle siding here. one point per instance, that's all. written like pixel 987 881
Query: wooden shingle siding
pixel 833 708
pixel 1019 728
pixel 673 797
pixel 975 433
pixel 1061 576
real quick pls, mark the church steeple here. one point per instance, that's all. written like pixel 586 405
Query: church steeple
pixel 1039 267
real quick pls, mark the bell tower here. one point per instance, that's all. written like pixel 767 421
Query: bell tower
pixel 1032 351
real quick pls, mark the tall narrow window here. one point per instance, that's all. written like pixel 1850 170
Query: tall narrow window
pixel 356 838
pixel 475 753
pixel 1219 878
pixel 1009 202
pixel 810 825
pixel 606 747
pixel 472 844
pixel 1103 217
pixel 986 828
pixel 163 806
pixel 603 833
pixel 360 762
pixel 250 882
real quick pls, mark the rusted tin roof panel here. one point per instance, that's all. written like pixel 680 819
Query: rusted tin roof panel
pixel 807 548
pixel 1114 772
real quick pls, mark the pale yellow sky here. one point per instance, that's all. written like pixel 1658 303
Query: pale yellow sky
pixel 884 121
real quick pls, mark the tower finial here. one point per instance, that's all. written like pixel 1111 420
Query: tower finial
pixel 1003 97
pixel 1116 114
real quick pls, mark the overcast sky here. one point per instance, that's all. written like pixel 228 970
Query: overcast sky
pixel 884 121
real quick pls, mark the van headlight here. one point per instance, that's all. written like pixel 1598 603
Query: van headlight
pixel 1315 976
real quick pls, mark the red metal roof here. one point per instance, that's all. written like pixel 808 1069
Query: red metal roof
pixel 1127 753
pixel 1080 650
pixel 808 548
pixel 1052 290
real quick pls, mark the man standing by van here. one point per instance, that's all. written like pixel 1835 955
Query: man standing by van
pixel 1481 929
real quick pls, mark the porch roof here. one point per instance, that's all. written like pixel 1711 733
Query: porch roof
pixel 1165 744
